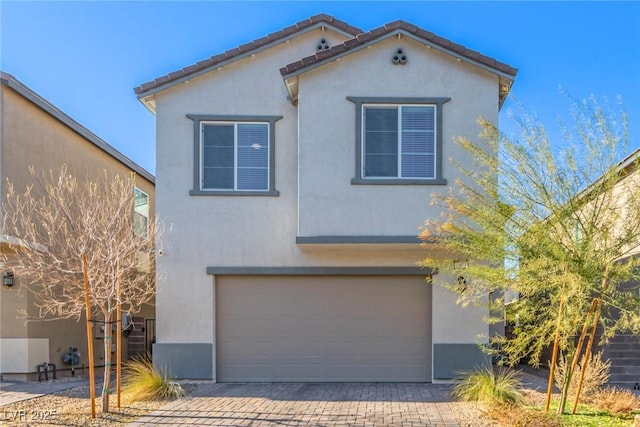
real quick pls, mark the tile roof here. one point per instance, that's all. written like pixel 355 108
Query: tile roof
pixel 392 28
pixel 248 48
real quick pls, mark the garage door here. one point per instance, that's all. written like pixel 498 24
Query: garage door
pixel 323 328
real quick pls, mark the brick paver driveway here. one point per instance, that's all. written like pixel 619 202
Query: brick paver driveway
pixel 362 404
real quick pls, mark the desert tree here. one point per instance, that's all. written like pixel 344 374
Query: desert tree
pixel 61 226
pixel 557 223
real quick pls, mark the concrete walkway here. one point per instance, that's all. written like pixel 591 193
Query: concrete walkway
pixel 11 392
pixel 308 404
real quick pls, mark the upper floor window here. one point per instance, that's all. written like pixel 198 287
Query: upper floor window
pixel 234 155
pixel 140 212
pixel 398 140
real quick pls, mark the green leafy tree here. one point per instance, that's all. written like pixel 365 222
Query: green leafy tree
pixel 559 226
pixel 66 234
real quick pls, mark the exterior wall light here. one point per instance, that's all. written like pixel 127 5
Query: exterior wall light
pixel 460 265
pixel 7 279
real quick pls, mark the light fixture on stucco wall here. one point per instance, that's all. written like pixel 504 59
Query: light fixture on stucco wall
pixel 8 279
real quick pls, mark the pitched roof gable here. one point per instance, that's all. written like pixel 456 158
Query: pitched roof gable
pixel 390 29
pixel 505 71
pixel 11 82
pixel 244 50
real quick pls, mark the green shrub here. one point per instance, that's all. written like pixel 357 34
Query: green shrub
pixel 142 381
pixel 522 417
pixel 493 387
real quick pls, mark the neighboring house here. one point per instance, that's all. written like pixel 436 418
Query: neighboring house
pixel 36 133
pixel 296 171
pixel 623 350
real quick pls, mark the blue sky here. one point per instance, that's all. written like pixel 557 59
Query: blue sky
pixel 86 57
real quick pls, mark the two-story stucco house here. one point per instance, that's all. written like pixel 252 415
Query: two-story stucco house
pixel 34 132
pixel 295 172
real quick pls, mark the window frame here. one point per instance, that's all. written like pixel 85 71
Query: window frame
pixel 200 120
pixel 137 189
pixel 397 102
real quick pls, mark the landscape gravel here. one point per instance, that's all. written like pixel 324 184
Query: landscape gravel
pixel 72 407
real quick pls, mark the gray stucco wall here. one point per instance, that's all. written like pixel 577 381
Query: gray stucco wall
pixel 451 361
pixel 328 204
pixel 314 166
pixel 184 360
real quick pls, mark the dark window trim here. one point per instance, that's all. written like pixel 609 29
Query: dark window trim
pixel 303 240
pixel 197 185
pixel 359 101
pixel 316 271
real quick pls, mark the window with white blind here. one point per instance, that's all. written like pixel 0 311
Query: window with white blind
pixel 234 155
pixel 398 140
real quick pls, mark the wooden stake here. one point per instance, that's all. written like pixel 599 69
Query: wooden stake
pixel 87 301
pixel 554 357
pixel 119 334
pixel 583 334
pixel 587 354
pixel 578 352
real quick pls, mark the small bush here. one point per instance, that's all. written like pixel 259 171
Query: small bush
pixel 487 385
pixel 522 417
pixel 143 382
pixel 595 377
pixel 616 401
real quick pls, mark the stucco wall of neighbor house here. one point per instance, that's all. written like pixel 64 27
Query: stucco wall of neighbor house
pixel 33 137
pixel 13 302
pixel 20 355
pixel 3 106
pixel 623 190
pixel 328 204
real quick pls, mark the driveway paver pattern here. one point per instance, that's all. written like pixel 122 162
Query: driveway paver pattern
pixel 309 404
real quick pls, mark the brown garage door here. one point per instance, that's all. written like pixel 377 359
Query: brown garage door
pixel 323 328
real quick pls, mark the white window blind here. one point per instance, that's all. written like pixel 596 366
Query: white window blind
pixel 418 142
pixel 235 156
pixel 399 141
pixel 253 157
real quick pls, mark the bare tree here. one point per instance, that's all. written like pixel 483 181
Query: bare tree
pixel 59 221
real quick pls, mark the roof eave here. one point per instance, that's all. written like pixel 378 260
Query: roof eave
pixel 149 102
pixel 222 64
pixel 509 78
pixel 631 162
pixel 504 89
pixel 18 87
